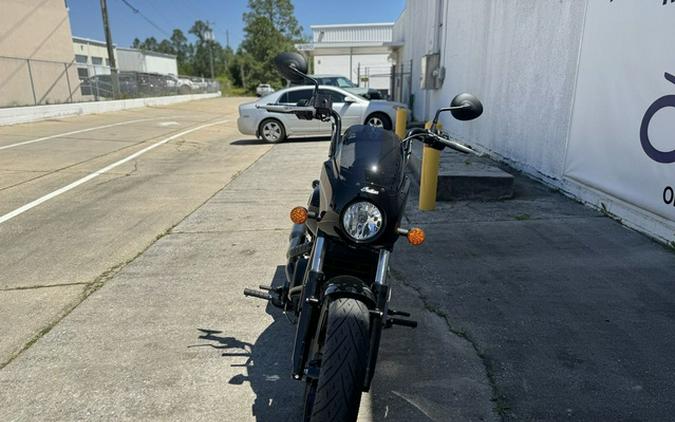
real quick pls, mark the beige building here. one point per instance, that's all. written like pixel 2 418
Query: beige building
pixel 91 57
pixel 36 53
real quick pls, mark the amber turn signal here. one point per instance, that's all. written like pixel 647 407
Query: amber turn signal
pixel 299 215
pixel 415 236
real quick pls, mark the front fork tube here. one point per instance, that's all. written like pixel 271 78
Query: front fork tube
pixel 308 305
pixel 382 294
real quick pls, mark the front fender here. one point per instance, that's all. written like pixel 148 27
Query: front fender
pixel 350 287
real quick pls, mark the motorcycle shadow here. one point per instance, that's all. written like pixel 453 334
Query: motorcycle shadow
pixel 267 366
pixel 253 141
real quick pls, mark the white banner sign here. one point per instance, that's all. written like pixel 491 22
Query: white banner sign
pixel 622 139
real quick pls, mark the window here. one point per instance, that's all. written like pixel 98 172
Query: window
pixel 293 97
pixel 107 62
pixel 335 96
pixel 340 82
pixel 82 72
pixel 81 58
pixel 344 83
pixel 96 60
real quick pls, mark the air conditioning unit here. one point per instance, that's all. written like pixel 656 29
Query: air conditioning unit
pixel 432 74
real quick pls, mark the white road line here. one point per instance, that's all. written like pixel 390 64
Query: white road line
pixel 97 173
pixel 32 141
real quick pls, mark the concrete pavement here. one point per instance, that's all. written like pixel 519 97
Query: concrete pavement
pixel 167 334
pixel 121 299
pixel 56 253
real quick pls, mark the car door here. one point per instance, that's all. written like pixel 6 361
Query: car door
pixel 295 126
pixel 350 109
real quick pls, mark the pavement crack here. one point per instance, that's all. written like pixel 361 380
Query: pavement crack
pixel 42 286
pixel 500 407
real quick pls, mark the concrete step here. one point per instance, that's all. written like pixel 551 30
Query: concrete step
pixel 466 177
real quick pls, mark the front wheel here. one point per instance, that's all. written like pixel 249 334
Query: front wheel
pixel 336 395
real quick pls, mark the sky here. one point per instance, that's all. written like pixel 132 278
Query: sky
pixel 226 15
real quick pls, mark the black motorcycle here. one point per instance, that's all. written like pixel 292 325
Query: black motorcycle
pixel 340 244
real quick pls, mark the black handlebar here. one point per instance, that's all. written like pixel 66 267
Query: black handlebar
pixel 437 141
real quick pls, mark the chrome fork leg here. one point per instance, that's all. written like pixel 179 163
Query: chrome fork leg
pixel 382 267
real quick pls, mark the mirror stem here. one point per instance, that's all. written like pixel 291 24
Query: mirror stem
pixel 440 110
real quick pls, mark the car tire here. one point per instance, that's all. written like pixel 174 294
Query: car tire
pixel 379 120
pixel 272 131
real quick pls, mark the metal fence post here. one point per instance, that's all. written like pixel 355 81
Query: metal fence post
pixel 32 84
pixel 70 90
pixel 392 82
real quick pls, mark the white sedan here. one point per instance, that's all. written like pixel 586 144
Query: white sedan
pixel 275 127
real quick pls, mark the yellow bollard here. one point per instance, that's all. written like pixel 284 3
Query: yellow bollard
pixel 431 161
pixel 401 121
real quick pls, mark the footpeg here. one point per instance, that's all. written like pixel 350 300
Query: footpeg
pixel 399 313
pixel 257 294
pixel 399 321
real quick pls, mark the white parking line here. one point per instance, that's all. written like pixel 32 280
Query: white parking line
pixel 32 141
pixel 97 173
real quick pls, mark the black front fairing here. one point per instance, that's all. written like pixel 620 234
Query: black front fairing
pixel 366 164
pixel 367 156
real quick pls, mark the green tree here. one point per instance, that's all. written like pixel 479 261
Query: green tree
pixel 270 28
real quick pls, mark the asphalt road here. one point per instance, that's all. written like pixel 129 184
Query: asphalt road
pixel 571 312
pixel 121 292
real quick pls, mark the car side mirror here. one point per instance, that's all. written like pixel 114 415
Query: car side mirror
pixel 466 107
pixel 349 100
pixel 292 66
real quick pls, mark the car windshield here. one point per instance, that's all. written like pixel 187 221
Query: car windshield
pixel 336 81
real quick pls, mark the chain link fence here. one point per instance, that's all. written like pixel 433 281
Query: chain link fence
pixel 394 82
pixel 28 82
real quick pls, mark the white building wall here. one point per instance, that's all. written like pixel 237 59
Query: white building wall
pixel 518 56
pixel 522 59
pixel 333 64
pixel 129 60
pixel 161 64
pixel 376 66
pixel 133 60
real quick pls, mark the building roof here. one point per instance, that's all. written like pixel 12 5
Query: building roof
pixel 349 35
pixel 147 52
pixel 83 40
pixel 345 25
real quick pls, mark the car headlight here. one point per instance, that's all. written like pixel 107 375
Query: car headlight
pixel 362 221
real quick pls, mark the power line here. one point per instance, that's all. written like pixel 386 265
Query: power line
pixel 147 19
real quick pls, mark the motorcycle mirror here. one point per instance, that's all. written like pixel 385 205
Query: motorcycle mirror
pixel 292 66
pixel 466 107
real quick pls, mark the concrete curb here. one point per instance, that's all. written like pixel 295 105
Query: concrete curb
pixel 16 115
pixel 465 178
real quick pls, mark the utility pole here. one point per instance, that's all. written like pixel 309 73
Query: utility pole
pixel 111 51
pixel 227 38
pixel 208 36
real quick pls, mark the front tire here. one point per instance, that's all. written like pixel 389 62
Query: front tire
pixel 343 364
pixel 272 131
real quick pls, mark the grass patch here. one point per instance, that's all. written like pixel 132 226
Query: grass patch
pixel 522 217
pixel 236 92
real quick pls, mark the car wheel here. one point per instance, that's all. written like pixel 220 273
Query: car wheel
pixel 380 120
pixel 271 130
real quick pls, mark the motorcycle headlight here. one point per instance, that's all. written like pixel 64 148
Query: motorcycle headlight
pixel 362 221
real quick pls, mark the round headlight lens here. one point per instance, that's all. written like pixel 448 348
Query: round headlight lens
pixel 362 220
